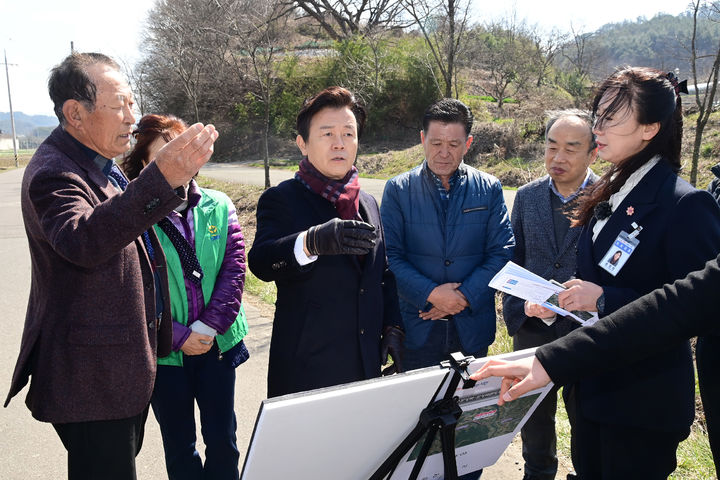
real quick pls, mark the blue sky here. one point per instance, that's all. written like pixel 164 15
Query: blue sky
pixel 36 34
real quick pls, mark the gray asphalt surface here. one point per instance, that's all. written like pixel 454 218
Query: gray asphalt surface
pixel 31 449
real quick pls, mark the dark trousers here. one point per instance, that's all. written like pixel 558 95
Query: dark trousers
pixel 707 355
pixel 211 383
pixel 103 449
pixel 538 434
pixel 615 452
pixel 442 341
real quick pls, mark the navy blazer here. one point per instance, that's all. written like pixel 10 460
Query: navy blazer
pixel 681 231
pixel 536 248
pixel 673 313
pixel 91 334
pixel 329 315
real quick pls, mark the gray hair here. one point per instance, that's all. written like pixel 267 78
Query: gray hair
pixel 584 115
pixel 70 80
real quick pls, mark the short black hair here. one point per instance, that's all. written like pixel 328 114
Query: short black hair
pixel 69 81
pixel 331 97
pixel 449 110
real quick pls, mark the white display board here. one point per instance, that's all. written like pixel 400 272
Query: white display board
pixel 347 431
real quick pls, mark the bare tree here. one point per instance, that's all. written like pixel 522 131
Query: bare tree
pixel 365 65
pixel 444 25
pixel 137 79
pixel 504 50
pixel 258 36
pixel 579 56
pixel 547 48
pixel 181 33
pixel 342 19
pixel 706 99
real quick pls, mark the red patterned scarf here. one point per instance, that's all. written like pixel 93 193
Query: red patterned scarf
pixel 344 194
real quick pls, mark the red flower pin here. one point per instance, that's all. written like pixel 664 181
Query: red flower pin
pixel 630 211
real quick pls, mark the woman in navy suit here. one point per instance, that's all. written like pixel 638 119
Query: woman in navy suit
pixel 665 229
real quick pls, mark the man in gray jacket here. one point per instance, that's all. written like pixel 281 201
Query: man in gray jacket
pixel 545 245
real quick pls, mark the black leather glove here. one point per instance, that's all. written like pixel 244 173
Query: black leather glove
pixel 340 237
pixel 392 343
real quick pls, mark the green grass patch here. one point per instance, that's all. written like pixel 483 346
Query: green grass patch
pixel 280 163
pixel 265 291
pixel 562 429
pixel 387 165
pixel 706 150
pixel 694 457
pixel 503 342
pixel 503 121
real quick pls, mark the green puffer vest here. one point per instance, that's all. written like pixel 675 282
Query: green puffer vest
pixel 210 218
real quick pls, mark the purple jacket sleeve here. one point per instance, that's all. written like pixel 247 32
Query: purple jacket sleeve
pixel 224 304
pixel 179 335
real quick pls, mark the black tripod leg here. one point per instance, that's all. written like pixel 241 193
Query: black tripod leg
pixel 447 438
pixel 420 460
pixel 391 462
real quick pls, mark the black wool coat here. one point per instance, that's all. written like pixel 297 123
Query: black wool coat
pixel 329 315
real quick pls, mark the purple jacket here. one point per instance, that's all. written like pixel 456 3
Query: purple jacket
pixel 222 308
pixel 91 335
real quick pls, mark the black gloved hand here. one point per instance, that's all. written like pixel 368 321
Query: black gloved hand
pixel 340 237
pixel 392 343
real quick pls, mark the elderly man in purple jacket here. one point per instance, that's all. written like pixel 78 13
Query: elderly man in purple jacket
pixel 98 312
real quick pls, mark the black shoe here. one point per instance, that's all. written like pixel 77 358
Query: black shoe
pixel 572 476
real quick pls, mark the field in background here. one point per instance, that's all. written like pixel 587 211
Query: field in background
pixel 7 158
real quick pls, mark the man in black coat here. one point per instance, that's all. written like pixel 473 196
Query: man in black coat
pixel 320 239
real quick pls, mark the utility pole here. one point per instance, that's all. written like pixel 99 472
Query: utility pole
pixel 12 116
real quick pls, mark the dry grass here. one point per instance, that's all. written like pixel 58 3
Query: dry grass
pixel 7 159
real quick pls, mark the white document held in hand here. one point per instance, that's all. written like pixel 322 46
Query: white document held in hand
pixel 522 283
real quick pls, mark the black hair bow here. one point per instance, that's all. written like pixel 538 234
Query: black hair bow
pixel 680 87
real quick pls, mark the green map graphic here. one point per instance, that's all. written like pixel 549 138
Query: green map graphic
pixel 483 423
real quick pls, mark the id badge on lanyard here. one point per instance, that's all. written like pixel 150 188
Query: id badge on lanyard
pixel 620 251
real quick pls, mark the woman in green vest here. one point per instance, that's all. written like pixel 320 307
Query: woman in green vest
pixel 205 254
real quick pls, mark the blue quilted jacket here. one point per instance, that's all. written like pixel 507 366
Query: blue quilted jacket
pixel 426 248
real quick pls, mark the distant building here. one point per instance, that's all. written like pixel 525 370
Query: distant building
pixel 6 142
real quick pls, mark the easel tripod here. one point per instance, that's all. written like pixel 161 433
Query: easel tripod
pixel 440 416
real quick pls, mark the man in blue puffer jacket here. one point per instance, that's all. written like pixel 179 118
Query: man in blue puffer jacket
pixel 447 234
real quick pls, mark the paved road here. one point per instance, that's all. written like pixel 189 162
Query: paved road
pixel 235 172
pixel 31 449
